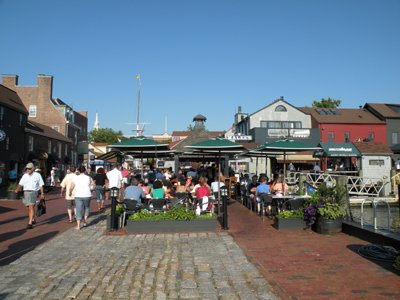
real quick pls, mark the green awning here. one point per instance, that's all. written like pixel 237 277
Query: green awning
pixel 337 150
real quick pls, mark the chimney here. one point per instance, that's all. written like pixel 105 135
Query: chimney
pixel 45 87
pixel 10 81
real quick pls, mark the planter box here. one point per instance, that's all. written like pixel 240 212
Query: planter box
pixel 170 226
pixel 328 226
pixel 289 223
pixel 12 195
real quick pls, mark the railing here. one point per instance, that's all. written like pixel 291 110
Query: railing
pixel 355 186
pixel 375 203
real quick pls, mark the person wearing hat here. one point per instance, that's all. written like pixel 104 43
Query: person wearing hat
pixel 32 183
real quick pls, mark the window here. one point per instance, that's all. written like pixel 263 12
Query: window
pixel 264 124
pixel 371 136
pixel 376 162
pixel 347 137
pixel 21 120
pixel 30 143
pixel 32 111
pixel 272 124
pixel 395 137
pixel 66 150
pixel 280 108
pixel 59 150
pixel 287 125
pixel 331 137
pixel 49 146
pixel 297 125
pixel 1 113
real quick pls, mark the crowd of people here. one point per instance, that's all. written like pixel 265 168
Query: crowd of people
pixel 252 189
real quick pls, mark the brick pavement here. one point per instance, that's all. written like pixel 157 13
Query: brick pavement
pixel 88 264
pixel 306 265
pixel 297 265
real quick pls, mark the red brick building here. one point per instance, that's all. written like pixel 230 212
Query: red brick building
pixel 54 113
pixel 342 125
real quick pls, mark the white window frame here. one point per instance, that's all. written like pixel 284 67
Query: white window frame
pixel 33 110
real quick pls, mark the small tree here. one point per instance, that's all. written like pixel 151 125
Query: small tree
pixel 105 135
pixel 327 103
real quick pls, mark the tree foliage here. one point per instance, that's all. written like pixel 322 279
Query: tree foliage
pixel 105 135
pixel 327 103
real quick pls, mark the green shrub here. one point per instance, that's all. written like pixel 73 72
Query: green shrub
pixel 291 214
pixel 176 213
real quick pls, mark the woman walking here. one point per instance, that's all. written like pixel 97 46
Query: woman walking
pixel 66 185
pixel 81 188
pixel 101 182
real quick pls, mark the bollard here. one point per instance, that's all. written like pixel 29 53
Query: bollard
pixel 224 194
pixel 114 192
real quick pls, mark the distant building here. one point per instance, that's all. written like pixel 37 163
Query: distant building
pixel 54 113
pixel 342 125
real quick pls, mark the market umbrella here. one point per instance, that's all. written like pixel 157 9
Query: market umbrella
pixel 142 147
pixel 284 147
pixel 218 146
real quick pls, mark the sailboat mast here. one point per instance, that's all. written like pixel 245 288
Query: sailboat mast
pixel 138 106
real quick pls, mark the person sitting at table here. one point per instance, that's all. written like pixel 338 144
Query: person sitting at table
pixel 280 187
pixel 181 188
pixel 145 187
pixel 251 189
pixel 134 192
pixel 201 191
pixel 158 191
pixel 262 188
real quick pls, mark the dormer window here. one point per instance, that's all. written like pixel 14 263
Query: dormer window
pixel 280 108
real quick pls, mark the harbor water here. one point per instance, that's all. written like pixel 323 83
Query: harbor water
pixel 381 216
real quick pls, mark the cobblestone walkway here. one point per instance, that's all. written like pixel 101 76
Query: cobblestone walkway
pixel 87 264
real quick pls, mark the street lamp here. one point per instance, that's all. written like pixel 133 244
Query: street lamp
pixel 224 195
pixel 114 192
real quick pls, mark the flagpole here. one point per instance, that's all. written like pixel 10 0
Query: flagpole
pixel 138 105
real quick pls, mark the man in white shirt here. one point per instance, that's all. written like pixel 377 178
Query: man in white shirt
pixel 115 177
pixel 31 182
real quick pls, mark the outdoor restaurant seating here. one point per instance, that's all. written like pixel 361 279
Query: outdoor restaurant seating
pixel 130 207
pixel 157 205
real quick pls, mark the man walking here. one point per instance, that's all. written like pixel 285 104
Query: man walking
pixel 115 177
pixel 31 182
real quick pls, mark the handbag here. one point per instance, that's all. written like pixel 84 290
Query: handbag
pixel 41 208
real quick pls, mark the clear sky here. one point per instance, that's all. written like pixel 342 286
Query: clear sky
pixel 202 56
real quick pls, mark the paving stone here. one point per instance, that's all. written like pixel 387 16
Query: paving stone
pixel 149 266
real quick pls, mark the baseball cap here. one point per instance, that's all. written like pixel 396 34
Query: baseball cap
pixel 29 166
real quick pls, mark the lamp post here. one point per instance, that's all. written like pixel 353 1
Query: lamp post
pixel 114 192
pixel 224 195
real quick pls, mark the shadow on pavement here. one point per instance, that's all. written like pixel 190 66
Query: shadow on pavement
pixel 12 220
pixel 17 249
pixel 5 209
pixel 383 264
pixel 11 234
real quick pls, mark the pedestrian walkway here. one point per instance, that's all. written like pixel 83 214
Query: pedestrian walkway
pixel 87 264
pixel 303 264
pixel 251 260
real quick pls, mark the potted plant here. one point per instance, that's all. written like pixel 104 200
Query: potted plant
pixel 290 219
pixel 325 210
pixel 11 194
pixel 177 219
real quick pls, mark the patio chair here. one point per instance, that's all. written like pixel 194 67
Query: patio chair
pixel 130 207
pixel 265 201
pixel 158 204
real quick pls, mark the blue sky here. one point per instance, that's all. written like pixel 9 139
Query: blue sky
pixel 202 56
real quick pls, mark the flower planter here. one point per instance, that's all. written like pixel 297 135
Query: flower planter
pixel 12 195
pixel 328 226
pixel 171 226
pixel 289 223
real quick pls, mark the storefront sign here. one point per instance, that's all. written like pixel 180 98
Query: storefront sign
pixel 239 137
